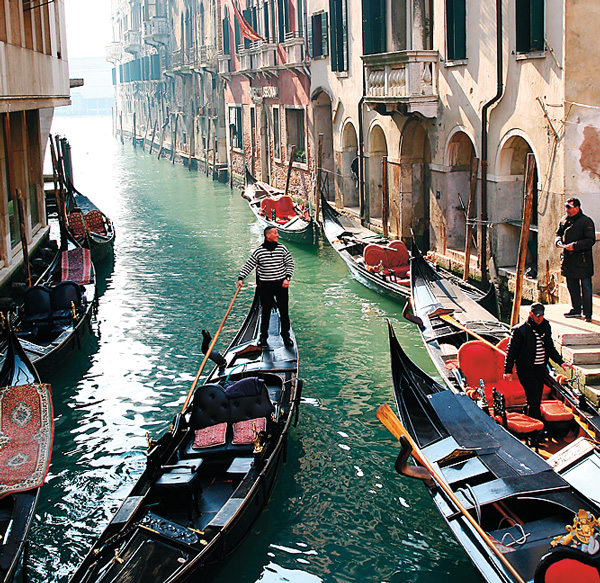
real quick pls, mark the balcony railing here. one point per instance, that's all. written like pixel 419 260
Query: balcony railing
pixel 208 55
pixel 408 77
pixel 132 41
pixel 114 52
pixel 294 48
pixel 156 30
pixel 224 63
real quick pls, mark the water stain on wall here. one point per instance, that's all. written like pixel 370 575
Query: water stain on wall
pixel 590 151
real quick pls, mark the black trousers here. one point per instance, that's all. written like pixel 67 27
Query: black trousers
pixel 532 379
pixel 270 292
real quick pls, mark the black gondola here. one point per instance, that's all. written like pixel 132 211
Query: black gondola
pixel 191 507
pixel 272 208
pixel 20 393
pixel 535 509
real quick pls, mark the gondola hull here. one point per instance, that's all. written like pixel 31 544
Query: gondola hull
pixel 171 534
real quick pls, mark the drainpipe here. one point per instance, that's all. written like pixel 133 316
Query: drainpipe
pixel 484 139
pixel 361 158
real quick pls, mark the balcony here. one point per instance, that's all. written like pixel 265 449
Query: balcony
pixel 114 52
pixel 132 41
pixel 294 49
pixel 224 63
pixel 156 31
pixel 208 56
pixel 267 56
pixel 405 78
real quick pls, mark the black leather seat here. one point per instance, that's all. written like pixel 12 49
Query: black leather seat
pixel 63 298
pixel 37 312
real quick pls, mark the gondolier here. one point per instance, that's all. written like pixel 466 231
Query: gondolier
pixel 274 269
pixel 530 347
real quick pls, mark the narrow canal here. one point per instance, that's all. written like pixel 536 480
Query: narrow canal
pixel 339 513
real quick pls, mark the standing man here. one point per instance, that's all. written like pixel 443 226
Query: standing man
pixel 531 347
pixel 576 235
pixel 274 270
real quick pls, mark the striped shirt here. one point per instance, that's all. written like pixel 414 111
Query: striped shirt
pixel 540 351
pixel 270 265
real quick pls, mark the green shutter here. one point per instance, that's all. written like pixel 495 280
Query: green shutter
pixel 374 26
pixel 311 50
pixel 324 35
pixel 343 58
pixel 460 37
pixel 226 47
pixel 334 34
pixel 536 25
pixel 522 25
pixel 281 19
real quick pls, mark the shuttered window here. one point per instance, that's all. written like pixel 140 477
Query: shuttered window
pixel 374 26
pixel 283 19
pixel 339 35
pixel 318 37
pixel 247 14
pixel 456 36
pixel 530 25
pixel 267 29
pixel 226 47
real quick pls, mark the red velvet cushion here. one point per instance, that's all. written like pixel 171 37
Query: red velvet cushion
pixel 519 423
pixel 94 221
pixel 76 224
pixel 285 206
pixel 570 571
pixel 243 432
pixel 210 436
pixel 478 360
pixel 555 411
pixel 513 392
pixel 393 256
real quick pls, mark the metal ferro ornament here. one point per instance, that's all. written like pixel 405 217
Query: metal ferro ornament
pixel 582 535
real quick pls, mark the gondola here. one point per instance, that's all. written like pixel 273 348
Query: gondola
pixel 54 314
pixel 206 479
pixel 86 222
pixel 382 266
pixel 27 430
pixel 523 510
pixel 273 208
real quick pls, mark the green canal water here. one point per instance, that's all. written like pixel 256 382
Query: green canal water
pixel 339 513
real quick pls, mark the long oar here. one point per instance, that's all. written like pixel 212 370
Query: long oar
pixel 209 350
pixel 387 417
pixel 456 323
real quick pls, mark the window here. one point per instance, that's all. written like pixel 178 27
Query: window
pixel 530 25
pixel 456 37
pixel 374 26
pixel 226 47
pixel 276 134
pixel 339 35
pixel 283 18
pixel 295 133
pixel 235 127
pixel 318 42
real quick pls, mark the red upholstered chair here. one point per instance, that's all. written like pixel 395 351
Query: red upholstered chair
pixel 479 360
pixel 555 412
pixel 517 423
pixel 77 225
pixel 393 258
pixel 285 207
pixel 267 206
pixel 94 221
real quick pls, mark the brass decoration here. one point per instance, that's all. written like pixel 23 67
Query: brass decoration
pixel 117 558
pixel 258 435
pixel 149 441
pixel 584 534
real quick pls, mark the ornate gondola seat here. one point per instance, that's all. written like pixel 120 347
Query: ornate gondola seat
pixel 37 312
pixel 517 423
pixel 224 425
pixel 77 224
pixel 65 299
pixel 285 207
pixel 479 361
pixel 267 206
pixel 392 258
pixel 94 221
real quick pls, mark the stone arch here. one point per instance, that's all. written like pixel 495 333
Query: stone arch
pixel 323 124
pixel 349 161
pixel 376 148
pixel 454 201
pixel 507 209
pixel 413 199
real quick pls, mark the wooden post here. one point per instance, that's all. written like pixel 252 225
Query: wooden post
pixel 231 130
pixel 162 138
pixel 470 216
pixel 174 144
pixel 146 135
pixel 318 184
pixel 208 138
pixel 153 133
pixel 527 206
pixel 214 170
pixel 191 141
pixel 385 198
pixel 21 209
pixel 289 172
pixel 122 139
pixel 134 132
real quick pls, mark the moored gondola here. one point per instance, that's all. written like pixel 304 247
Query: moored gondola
pixel 27 426
pixel 207 479
pixel 273 208
pixel 521 512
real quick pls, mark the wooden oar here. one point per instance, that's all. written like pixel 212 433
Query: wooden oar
pixel 387 417
pixel 451 320
pixel 209 350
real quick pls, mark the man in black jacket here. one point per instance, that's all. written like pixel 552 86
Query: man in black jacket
pixel 576 235
pixel 530 348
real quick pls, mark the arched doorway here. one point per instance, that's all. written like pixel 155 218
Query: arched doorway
pixel 322 116
pixel 347 188
pixel 457 188
pixel 415 183
pixel 376 150
pixel 508 205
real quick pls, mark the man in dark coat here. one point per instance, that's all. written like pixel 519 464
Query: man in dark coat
pixel 530 348
pixel 576 235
